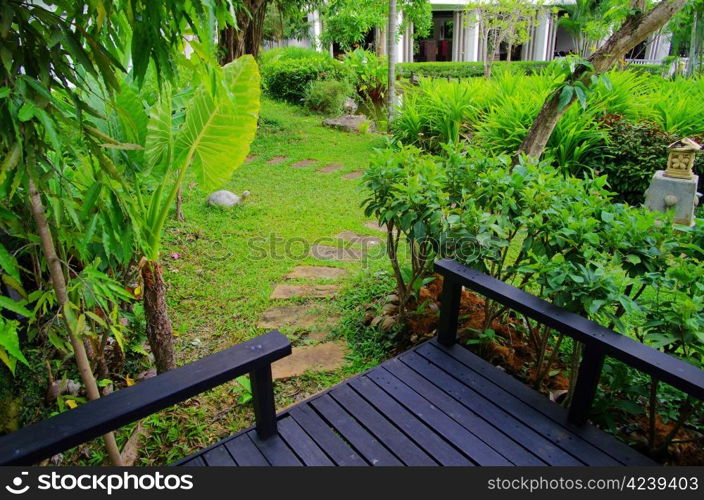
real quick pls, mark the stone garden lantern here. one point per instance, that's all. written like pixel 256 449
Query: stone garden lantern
pixel 681 159
pixel 676 188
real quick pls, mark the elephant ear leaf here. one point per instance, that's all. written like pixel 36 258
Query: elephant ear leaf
pixel 159 142
pixel 219 128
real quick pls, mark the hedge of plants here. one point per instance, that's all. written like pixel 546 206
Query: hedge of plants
pixel 623 129
pixel 466 69
pixel 567 240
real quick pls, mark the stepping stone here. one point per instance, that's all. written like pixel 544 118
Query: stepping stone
pixel 325 252
pixel 374 225
pixel 315 358
pixel 332 167
pixel 354 175
pixel 318 335
pixel 360 239
pixel 276 160
pixel 299 317
pixel 304 291
pixel 316 272
pixel 251 158
pixel 304 163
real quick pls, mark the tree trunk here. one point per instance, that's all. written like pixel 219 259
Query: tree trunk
pixel 58 282
pixel 254 33
pixel 634 30
pixel 232 41
pixel 159 331
pixel 179 205
pixel 391 49
pixel 693 46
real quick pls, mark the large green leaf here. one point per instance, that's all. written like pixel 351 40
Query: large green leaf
pixel 219 129
pixel 159 141
pixel 10 344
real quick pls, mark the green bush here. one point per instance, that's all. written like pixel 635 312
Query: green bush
pixel 632 154
pixel 287 73
pixel 556 236
pixel 466 69
pixel 327 96
pixel 369 73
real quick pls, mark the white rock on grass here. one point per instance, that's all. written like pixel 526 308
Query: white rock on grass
pixel 225 198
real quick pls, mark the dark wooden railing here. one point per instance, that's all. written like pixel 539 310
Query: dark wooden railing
pixel 93 419
pixel 598 341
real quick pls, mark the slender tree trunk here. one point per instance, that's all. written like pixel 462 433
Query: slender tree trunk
pixel 391 49
pixel 58 282
pixel 634 30
pixel 179 205
pixel 693 46
pixel 159 331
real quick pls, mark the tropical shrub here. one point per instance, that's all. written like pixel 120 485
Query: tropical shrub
pixel 555 235
pixel 632 154
pixel 368 72
pixel 327 96
pixel 288 76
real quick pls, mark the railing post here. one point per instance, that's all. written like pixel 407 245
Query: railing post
pixel 449 311
pixel 587 382
pixel 263 401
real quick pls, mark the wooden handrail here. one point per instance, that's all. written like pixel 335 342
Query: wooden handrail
pixel 598 341
pixel 93 419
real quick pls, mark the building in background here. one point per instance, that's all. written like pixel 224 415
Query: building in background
pixel 455 37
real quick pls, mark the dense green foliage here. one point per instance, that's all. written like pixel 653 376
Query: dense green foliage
pixel 327 96
pixel 495 115
pixel 287 74
pixel 554 235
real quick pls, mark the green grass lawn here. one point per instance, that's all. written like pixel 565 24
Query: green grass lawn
pixel 231 259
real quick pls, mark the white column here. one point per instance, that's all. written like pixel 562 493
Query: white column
pixel 400 40
pixel 471 36
pixel 543 49
pixel 316 30
pixel 658 46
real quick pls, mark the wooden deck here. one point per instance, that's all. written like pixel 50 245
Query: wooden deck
pixel 432 405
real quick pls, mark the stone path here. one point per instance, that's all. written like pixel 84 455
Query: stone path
pixel 276 160
pixel 354 175
pixel 304 291
pixel 304 163
pixel 315 358
pixel 310 324
pixel 359 239
pixel 332 167
pixel 325 252
pixel 316 272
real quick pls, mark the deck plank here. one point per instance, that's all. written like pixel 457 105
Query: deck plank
pixel 194 462
pixel 218 457
pixel 366 444
pixel 301 443
pixel 245 453
pixel 275 450
pixel 474 448
pixel 566 440
pixel 485 431
pixel 545 444
pixel 334 446
pixel 426 437
pixel 608 444
pixel 386 432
